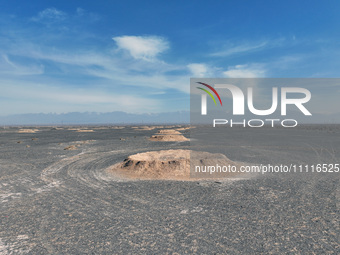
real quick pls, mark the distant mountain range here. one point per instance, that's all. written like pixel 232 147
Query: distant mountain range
pixel 180 117
pixel 123 118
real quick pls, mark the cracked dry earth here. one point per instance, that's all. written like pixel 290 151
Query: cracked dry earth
pixel 56 201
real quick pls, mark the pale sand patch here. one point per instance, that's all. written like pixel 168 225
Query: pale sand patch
pixel 118 127
pixel 184 128
pixel 84 141
pixel 84 130
pixel 168 132
pixel 168 138
pixel 143 128
pixel 171 165
pixel 28 130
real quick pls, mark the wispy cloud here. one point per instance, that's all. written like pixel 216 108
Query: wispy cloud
pixel 142 47
pixel 199 70
pixel 57 98
pixel 50 15
pixel 232 48
pixel 243 48
pixel 56 59
pixel 109 66
pixel 246 71
pixel 75 76
pixel 8 67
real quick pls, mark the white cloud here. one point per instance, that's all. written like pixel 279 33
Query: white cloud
pixel 59 99
pixel 198 70
pixel 112 76
pixel 80 11
pixel 50 14
pixel 239 49
pixel 8 67
pixel 113 68
pixel 246 71
pixel 248 47
pixel 142 47
pixel 286 62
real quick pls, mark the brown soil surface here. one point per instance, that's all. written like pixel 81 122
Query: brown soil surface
pixel 168 138
pixel 71 148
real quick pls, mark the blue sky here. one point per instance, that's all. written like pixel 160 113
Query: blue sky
pixel 138 56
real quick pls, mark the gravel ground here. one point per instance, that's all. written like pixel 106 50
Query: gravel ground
pixel 56 201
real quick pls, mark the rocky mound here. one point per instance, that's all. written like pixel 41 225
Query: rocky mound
pixel 168 135
pixel 172 165
pixel 168 132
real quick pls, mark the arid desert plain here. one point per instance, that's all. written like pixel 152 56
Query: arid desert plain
pixel 59 195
